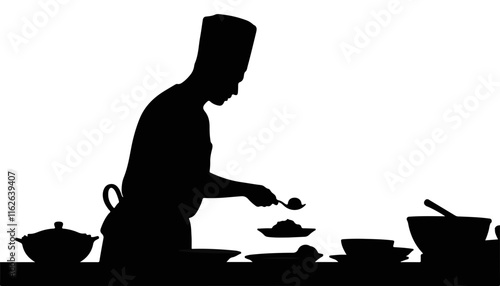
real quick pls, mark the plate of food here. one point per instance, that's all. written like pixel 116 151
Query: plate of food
pixel 286 228
pixel 304 252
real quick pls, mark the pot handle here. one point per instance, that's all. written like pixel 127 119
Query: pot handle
pixel 105 195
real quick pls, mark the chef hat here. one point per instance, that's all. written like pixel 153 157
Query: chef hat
pixel 225 41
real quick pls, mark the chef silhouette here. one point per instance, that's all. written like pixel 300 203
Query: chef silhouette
pixel 169 164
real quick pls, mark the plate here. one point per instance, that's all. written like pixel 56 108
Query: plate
pixel 269 232
pixel 401 252
pixel 278 258
pixel 343 258
pixel 209 255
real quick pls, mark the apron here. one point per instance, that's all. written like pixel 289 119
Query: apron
pixel 134 235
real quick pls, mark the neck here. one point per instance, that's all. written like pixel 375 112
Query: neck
pixel 194 85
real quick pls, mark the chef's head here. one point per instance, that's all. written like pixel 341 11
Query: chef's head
pixel 225 46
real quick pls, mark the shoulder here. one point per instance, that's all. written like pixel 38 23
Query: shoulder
pixel 172 94
pixel 169 100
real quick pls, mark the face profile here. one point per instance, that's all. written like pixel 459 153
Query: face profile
pixel 223 88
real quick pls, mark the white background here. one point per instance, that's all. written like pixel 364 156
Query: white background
pixel 353 119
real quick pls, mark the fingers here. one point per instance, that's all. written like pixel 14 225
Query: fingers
pixel 263 203
pixel 268 203
pixel 263 197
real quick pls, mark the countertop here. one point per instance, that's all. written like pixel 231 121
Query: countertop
pixel 247 273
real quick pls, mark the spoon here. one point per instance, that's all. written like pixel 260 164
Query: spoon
pixel 293 204
pixel 439 209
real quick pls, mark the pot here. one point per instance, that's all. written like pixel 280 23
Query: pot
pixel 57 245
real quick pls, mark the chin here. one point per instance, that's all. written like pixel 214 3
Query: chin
pixel 217 102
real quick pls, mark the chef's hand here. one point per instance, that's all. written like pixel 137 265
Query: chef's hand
pixel 261 196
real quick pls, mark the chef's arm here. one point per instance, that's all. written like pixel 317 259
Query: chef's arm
pixel 219 187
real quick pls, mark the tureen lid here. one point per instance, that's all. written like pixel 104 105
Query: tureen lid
pixel 58 232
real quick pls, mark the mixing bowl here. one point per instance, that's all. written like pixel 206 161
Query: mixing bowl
pixel 444 236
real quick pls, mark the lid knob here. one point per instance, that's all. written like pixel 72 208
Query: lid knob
pixel 58 225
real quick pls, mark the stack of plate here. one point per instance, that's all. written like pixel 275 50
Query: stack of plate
pixel 369 251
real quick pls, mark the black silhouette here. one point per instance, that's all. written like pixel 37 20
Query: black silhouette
pixel 57 245
pixel 147 236
pixel 438 208
pixel 386 259
pixel 305 252
pixel 293 204
pixel 168 172
pixel 456 244
pixel 361 247
pixel 204 257
pixel 448 237
pixel 369 251
pixel 286 228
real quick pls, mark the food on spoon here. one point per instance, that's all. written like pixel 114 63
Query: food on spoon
pixel 294 203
